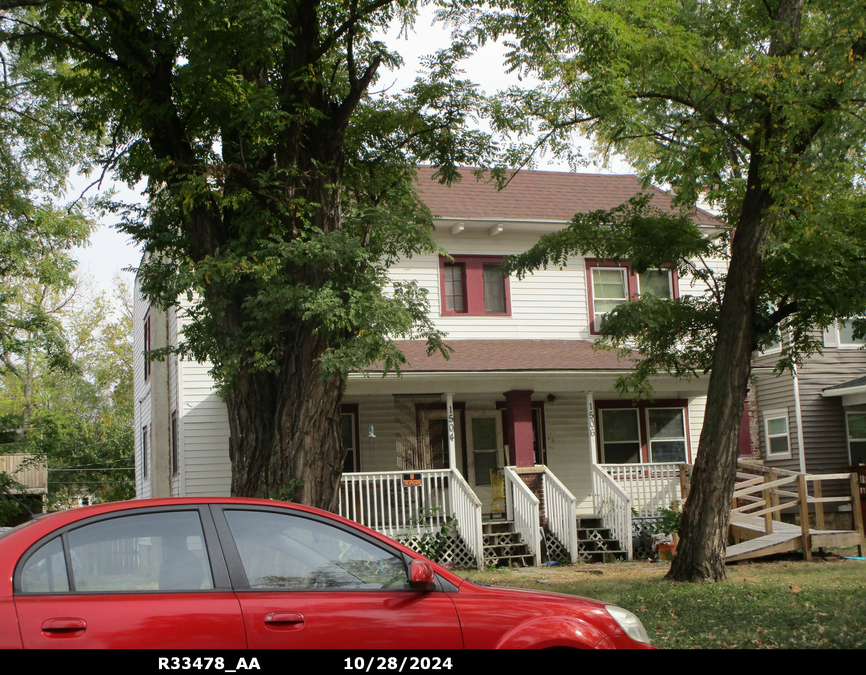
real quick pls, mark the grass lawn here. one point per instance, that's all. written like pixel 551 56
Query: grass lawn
pixel 762 605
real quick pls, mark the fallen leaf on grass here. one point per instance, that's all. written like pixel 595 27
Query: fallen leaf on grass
pixel 793 588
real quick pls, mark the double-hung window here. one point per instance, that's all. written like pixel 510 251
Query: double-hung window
pixel 846 335
pixel 666 434
pixel 857 437
pixel 473 285
pixel 649 432
pixel 613 283
pixel 778 442
pixel 609 289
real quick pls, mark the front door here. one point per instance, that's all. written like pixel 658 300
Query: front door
pixel 485 458
pixel 434 440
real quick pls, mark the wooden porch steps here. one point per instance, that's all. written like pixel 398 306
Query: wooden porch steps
pixel 596 544
pixel 504 546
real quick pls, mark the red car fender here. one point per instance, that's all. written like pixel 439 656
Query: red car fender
pixel 552 631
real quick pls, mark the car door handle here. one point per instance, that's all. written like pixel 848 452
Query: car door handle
pixel 284 617
pixel 277 619
pixel 63 625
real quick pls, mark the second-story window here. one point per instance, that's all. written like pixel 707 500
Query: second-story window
pixel 609 289
pixel 612 283
pixel 473 285
pixel 494 289
pixel 846 335
pixel 455 287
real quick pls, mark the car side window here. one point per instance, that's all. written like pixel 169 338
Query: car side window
pixel 45 570
pixel 150 552
pixel 282 551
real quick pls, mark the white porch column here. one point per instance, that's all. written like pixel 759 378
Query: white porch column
pixel 590 419
pixel 452 446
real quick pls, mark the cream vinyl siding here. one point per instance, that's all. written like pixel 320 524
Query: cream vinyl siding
pixel 176 482
pixel 141 391
pixel 203 431
pixel 569 455
pixel 548 304
pixel 697 406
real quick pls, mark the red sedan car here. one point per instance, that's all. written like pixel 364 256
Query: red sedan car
pixel 217 573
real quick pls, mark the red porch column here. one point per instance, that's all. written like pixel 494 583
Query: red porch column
pixel 519 431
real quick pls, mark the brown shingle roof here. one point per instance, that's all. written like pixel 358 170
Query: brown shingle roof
pixel 538 195
pixel 497 355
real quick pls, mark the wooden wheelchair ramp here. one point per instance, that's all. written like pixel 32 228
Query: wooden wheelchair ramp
pixel 783 539
pixel 762 494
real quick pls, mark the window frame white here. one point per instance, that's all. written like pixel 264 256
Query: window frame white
pixel 769 416
pixel 667 271
pixel 598 317
pixel 602 442
pixel 837 326
pixel 684 438
pixel 848 437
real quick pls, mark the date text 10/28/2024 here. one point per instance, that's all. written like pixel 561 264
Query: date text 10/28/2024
pixel 354 663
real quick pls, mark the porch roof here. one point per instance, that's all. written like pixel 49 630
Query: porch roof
pixel 540 196
pixel 509 355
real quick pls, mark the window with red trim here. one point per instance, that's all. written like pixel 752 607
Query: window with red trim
pixel 657 432
pixel 474 285
pixel 611 283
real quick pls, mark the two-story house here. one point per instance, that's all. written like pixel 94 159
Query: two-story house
pixel 522 420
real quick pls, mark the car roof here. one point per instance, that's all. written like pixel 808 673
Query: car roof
pixel 44 524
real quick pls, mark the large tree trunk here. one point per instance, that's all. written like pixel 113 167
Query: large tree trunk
pixel 706 513
pixel 285 430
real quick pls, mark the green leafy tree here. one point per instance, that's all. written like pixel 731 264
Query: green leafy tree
pixel 79 418
pixel 759 104
pixel 280 189
pixel 39 145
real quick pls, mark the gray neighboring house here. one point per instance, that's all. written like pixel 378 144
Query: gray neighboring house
pixel 815 420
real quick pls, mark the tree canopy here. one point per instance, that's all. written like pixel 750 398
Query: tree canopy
pixel 756 106
pixel 279 190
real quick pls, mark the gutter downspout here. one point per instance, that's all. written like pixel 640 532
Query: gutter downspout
pixel 798 416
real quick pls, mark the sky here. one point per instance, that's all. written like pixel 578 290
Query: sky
pixel 109 252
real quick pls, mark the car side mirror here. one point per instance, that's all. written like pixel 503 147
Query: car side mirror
pixel 421 576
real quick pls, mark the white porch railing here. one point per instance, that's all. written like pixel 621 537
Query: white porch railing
pixel 652 487
pixel 466 508
pixel 561 510
pixel 523 509
pixel 383 503
pixel 613 506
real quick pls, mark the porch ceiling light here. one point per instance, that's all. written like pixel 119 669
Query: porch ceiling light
pixel 496 229
pixel 457 229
